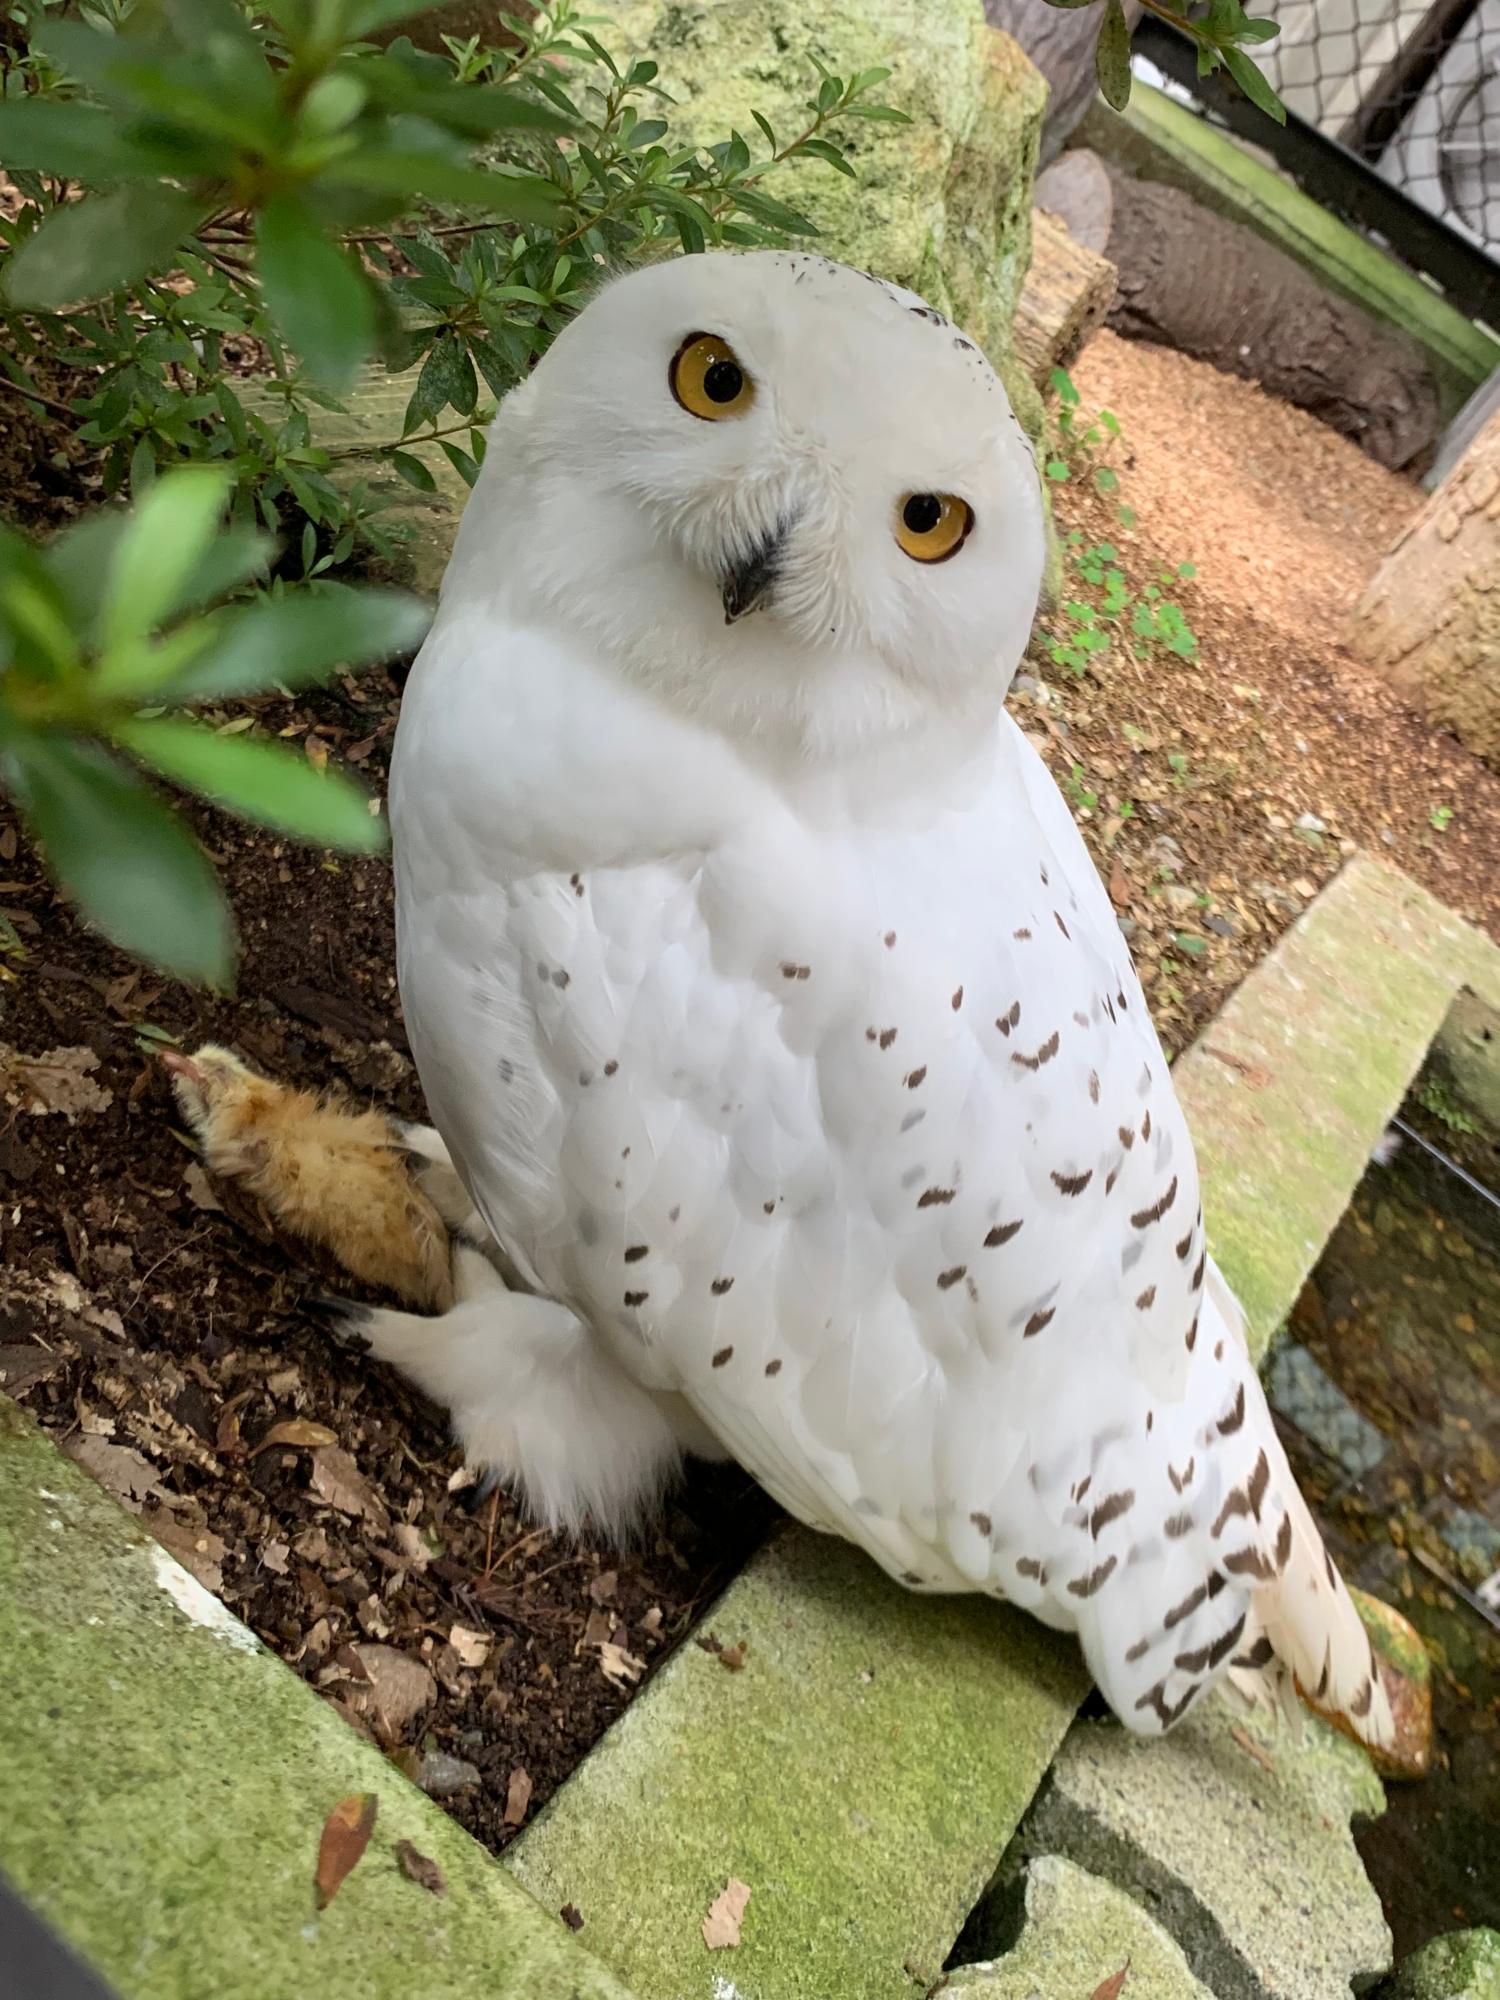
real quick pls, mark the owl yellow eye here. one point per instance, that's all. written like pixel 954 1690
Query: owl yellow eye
pixel 707 379
pixel 932 526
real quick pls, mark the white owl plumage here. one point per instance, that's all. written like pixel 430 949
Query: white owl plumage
pixel 776 1021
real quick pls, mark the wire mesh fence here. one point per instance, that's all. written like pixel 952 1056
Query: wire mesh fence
pixel 1412 88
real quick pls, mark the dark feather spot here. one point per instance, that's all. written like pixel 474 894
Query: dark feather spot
pixel 887 1036
pixel 773 1367
pixel 1001 1233
pixel 1138 1651
pixel 1204 1658
pixel 1072 1183
pixel 561 979
pixel 1234 1416
pixel 1147 1299
pixel 890 940
pixel 935 1197
pixel 724 1354
pixel 1093 1086
pixel 1184 1247
pixel 1029 1566
pixel 913 1080
pixel 634 1299
pixel 1248 1562
pixel 1006 1021
pixel 1259 1654
pixel 1198 1271
pixel 1190 1339
pixel 1081 1018
pixel 1177 1526
pixel 1146 1121
pixel 957 1000
pixel 636 1252
pixel 1057 918
pixel 610 1068
pixel 1168 1712
pixel 950 1278
pixel 720 1286
pixel 1039 1320
pixel 1359 1704
pixel 1283 1542
pixel 1108 1510
pixel 1044 1054
pixel 1085 1586
pixel 1180 1479
pixel 1186 1608
pixel 983 1523
pixel 1126 1136
pixel 1023 934
pixel 1144 1217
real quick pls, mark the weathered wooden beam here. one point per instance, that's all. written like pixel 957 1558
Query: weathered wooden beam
pixel 1067 292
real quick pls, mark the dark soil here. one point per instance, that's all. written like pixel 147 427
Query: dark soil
pixel 161 1338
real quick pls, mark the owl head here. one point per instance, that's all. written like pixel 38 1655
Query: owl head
pixel 790 499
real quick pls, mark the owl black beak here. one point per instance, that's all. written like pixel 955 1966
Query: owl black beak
pixel 748 582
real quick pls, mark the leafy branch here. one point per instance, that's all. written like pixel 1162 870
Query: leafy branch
pixel 1220 29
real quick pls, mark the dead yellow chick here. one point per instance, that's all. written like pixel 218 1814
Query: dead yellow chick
pixel 334 1177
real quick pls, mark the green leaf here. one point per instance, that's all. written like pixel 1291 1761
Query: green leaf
pixel 295 640
pixel 413 471
pixel 1112 56
pixel 447 377
pixel 128 862
pixel 77 140
pixel 87 248
pixel 165 540
pixel 821 149
pixel 319 301
pixel 260 781
pixel 524 197
pixel 1064 387
pixel 1252 82
pixel 1187 942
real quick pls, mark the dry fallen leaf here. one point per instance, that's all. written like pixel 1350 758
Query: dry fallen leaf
pixel 618 1666
pixel 420 1868
pixel 199 1550
pixel 397 1689
pixel 335 1477
pixel 346 1835
pixel 733 1657
pixel 602 1589
pixel 200 1190
pixel 57 1081
pixel 472 1648
pixel 1109 1989
pixel 571 1917
pixel 1254 1073
pixel 411 1545
pixel 119 1470
pixel 721 1927
pixel 517 1796
pixel 297 1431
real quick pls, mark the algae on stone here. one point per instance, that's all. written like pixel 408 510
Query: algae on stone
pixel 1462 1966
pixel 942 204
pixel 862 1773
pixel 1078 1932
pixel 166 1780
pixel 1234 1832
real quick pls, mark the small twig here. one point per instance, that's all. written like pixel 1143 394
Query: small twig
pixel 36 396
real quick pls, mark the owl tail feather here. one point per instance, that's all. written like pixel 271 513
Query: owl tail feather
pixel 1314 1634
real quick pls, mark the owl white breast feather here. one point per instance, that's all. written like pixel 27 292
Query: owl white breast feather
pixel 776 1019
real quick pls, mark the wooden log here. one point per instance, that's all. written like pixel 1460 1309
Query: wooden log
pixel 1066 294
pixel 1430 617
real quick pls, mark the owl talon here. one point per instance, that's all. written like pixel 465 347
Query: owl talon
pixel 342 1319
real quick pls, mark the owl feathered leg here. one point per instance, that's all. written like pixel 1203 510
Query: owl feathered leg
pixel 534 1399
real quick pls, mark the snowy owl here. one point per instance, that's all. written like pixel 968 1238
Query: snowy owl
pixel 776 1022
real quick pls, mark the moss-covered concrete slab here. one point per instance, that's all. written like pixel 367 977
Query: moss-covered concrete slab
pixel 1297 1077
pixel 166 1780
pixel 862 1773
pixel 1077 1934
pixel 1161 140
pixel 1463 1966
pixel 1234 1832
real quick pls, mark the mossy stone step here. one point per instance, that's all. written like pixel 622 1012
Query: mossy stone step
pixel 1294 1080
pixel 166 1780
pixel 862 1773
